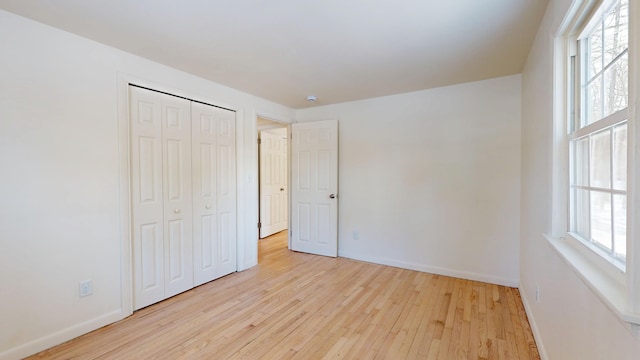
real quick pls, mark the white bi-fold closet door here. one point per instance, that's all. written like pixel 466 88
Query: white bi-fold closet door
pixel 182 192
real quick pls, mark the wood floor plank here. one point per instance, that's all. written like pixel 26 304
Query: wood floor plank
pixel 426 339
pixel 300 306
pixel 474 327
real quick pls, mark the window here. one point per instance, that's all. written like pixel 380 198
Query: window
pixel 594 229
pixel 597 132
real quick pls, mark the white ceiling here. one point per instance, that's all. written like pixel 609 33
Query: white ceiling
pixel 284 50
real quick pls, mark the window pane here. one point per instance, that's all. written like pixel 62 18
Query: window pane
pixel 620 225
pixel 616 85
pixel 593 98
pixel 616 31
pixel 620 157
pixel 601 218
pixel 595 53
pixel 600 159
pixel 581 162
pixel 581 214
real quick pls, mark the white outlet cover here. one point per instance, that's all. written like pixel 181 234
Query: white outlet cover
pixel 85 288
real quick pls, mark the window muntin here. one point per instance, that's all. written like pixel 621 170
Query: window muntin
pixel 598 133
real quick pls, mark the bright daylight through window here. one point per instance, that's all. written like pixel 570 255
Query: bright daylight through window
pixel 598 132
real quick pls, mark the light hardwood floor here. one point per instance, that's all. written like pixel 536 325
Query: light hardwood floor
pixel 301 306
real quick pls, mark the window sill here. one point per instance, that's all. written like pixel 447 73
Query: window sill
pixel 610 290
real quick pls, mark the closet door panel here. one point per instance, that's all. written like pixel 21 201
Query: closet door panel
pixel 205 183
pixel 150 239
pixel 178 245
pixel 226 191
pixel 214 192
pixel 146 197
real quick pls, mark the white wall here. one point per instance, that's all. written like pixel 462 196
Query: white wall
pixel 570 322
pixel 430 180
pixel 60 176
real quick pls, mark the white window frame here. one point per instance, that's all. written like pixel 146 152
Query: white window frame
pixel 578 128
pixel 618 289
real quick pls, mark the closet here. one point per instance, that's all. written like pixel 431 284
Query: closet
pixel 183 194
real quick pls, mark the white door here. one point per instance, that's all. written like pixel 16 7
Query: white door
pixel 273 181
pixel 146 197
pixel 214 192
pixel 183 194
pixel 314 187
pixel 161 195
pixel 176 184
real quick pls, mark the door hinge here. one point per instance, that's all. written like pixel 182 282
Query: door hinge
pixel 259 141
pixel 259 225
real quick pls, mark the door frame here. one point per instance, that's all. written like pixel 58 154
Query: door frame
pixel 124 178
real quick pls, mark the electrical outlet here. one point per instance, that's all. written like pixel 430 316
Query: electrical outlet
pixel 85 288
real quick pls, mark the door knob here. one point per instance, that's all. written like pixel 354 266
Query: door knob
pixel 281 189
pixel 176 210
pixel 332 196
pixel 207 206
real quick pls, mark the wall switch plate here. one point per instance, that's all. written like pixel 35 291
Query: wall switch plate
pixel 86 288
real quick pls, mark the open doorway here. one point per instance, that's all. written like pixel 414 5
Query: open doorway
pixel 273 179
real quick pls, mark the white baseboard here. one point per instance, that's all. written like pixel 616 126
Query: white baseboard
pixel 534 327
pixel 45 342
pixel 435 270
